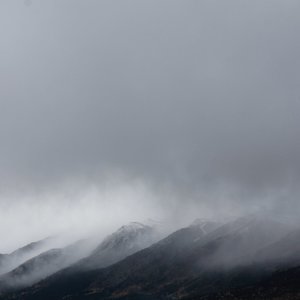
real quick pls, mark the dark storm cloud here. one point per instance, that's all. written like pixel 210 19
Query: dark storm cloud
pixel 188 93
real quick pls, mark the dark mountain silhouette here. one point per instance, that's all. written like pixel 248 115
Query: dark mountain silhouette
pixel 280 285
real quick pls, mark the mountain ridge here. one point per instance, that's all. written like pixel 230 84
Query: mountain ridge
pixel 190 263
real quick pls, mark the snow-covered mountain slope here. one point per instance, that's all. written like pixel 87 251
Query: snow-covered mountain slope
pixel 127 240
pixel 133 235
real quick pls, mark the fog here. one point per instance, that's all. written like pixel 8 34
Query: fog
pixel 118 111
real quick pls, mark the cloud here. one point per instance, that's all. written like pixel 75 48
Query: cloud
pixel 197 98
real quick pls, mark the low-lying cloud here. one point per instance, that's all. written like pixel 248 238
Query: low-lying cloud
pixel 195 102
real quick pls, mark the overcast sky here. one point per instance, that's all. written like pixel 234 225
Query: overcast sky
pixel 184 103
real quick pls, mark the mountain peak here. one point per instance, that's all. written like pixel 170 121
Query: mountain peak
pixel 125 241
pixel 132 226
pixel 127 235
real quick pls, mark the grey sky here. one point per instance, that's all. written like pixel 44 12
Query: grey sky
pixel 196 95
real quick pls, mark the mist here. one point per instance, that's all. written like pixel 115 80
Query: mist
pixel 119 111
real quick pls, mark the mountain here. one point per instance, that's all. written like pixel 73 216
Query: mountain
pixel 203 261
pixel 10 261
pixel 285 251
pixel 125 241
pixel 43 265
pixel 149 265
pixel 280 285
pixel 237 242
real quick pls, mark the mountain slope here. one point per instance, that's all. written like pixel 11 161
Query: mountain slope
pixel 127 240
pixel 191 263
pixel 10 261
pixel 285 251
pixel 280 285
pixel 43 265
pixel 150 265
